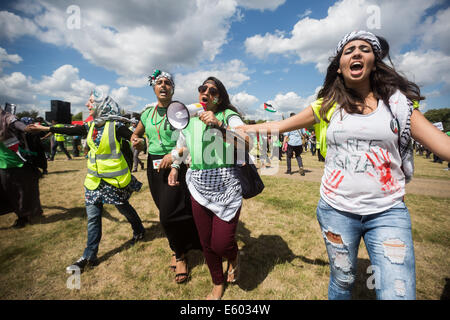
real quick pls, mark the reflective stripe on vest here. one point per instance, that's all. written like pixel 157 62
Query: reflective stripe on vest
pixel 59 136
pixel 106 161
pixel 108 174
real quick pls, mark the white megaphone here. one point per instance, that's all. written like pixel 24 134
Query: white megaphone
pixel 179 114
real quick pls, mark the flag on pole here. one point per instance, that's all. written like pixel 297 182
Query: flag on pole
pixel 268 107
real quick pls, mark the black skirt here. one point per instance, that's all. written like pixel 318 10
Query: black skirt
pixel 19 191
pixel 174 205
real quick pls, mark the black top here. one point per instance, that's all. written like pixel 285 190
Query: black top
pixel 122 133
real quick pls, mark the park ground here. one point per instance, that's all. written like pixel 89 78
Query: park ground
pixel 282 252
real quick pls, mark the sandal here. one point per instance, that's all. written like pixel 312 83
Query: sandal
pixel 184 275
pixel 235 271
pixel 173 267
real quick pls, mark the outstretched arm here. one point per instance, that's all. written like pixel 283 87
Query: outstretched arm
pixel 70 131
pixel 303 119
pixel 428 135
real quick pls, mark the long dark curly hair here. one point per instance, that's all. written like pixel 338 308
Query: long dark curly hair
pixel 384 81
pixel 223 95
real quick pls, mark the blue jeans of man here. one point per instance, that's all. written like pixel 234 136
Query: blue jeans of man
pixel 94 226
pixel 388 239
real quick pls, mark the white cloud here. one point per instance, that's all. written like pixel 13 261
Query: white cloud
pixel 436 32
pixel 292 102
pixel 13 26
pixel 6 59
pixel 232 74
pixel 306 13
pixel 284 104
pixel 63 84
pixel 313 40
pixel 134 82
pixel 132 40
pixel 425 68
pixel 126 100
pixel 401 23
pixel 261 4
pixel 243 101
pixel 17 88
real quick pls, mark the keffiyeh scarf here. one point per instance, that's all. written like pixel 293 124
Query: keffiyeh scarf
pixel 108 110
pixel 360 35
pixel 219 190
pixel 402 108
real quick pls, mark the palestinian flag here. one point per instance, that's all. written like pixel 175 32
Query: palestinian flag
pixel 268 107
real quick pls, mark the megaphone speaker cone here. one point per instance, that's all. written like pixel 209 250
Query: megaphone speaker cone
pixel 178 115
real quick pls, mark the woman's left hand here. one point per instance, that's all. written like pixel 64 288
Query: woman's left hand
pixel 166 162
pixel 209 119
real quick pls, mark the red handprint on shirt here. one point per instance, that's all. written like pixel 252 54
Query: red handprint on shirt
pixel 383 169
pixel 329 186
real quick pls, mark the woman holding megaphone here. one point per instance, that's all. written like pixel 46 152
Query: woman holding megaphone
pixel 212 180
pixel 173 203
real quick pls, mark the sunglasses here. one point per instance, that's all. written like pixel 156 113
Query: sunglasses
pixel 212 91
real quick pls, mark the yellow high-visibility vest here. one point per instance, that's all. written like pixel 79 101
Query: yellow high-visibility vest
pixel 59 136
pixel 106 161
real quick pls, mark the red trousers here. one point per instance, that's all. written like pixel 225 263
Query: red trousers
pixel 217 238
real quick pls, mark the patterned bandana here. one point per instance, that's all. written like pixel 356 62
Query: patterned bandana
pixel 360 35
pixel 160 74
pixel 108 110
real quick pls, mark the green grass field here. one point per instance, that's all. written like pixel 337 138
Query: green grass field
pixel 282 251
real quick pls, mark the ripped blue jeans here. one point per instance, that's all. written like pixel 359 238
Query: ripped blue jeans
pixel 388 239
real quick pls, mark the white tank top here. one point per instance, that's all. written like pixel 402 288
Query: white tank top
pixel 363 172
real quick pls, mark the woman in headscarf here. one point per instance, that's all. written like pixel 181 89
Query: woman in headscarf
pixel 109 180
pixel 364 117
pixel 173 203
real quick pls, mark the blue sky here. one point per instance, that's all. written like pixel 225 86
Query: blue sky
pixel 272 51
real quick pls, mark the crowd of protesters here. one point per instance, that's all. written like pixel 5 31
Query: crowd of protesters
pixel 200 200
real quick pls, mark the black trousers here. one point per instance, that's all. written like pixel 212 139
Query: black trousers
pixel 175 209
pixel 59 144
pixel 290 153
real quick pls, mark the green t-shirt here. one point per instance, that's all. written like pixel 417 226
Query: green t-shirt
pixel 206 146
pixel 8 158
pixel 162 138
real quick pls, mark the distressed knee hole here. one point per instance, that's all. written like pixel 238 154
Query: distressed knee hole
pixel 333 237
pixel 342 261
pixel 400 288
pixel 394 250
